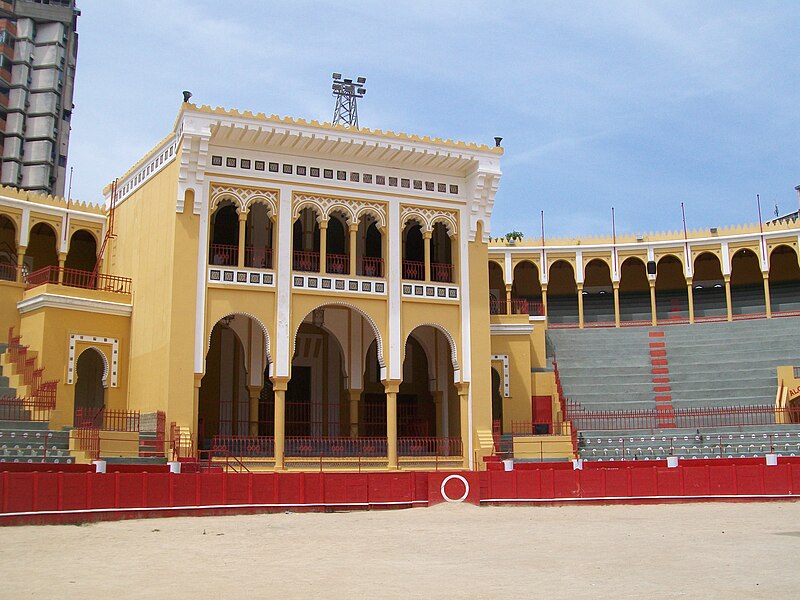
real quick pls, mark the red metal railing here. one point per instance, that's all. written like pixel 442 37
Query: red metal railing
pixel 308 446
pixel 182 446
pixel 497 306
pixel 25 409
pixel 694 418
pixel 519 306
pixel 337 263
pixel 258 258
pixel 371 266
pixel 108 419
pixel 539 428
pixel 8 272
pixel 413 269
pixel 442 272
pixel 88 441
pixel 224 255
pixel 245 446
pixel 80 279
pixel 429 446
pixel 303 260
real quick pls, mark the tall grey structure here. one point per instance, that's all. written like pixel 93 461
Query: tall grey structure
pixel 38 52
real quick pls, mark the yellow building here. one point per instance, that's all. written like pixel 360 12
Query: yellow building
pixel 293 293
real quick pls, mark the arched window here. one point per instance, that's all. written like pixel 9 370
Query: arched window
pixel 8 249
pixel 224 249
pixel 413 252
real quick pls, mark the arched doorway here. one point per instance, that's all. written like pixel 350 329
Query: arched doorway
pixel 562 294
pixel 428 410
pixel 413 252
pixel 89 388
pixel 497 290
pixel 527 286
pixel 42 250
pixel 8 249
pixel 497 398
pixel 708 287
pixel 224 248
pixel 634 292
pixel 672 297
pixel 337 247
pixel 784 279
pixel 747 284
pixel 598 293
pixel 81 259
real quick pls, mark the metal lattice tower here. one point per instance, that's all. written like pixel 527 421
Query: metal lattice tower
pixel 347 92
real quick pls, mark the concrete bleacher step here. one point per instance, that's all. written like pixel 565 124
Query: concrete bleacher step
pixel 135 460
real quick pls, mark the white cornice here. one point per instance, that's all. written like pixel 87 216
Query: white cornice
pixel 511 328
pixel 72 303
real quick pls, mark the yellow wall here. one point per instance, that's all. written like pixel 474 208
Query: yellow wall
pixel 10 294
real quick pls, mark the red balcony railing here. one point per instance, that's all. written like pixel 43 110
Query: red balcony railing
pixel 240 445
pixel 303 260
pixel 257 258
pixel 442 272
pixel 80 279
pixel 429 446
pixel 26 409
pixel 413 269
pixel 224 255
pixel 8 272
pixel 371 267
pixel 337 263
pixel 309 446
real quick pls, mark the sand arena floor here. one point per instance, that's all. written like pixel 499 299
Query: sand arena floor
pixel 711 550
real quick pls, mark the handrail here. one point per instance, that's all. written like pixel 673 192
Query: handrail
pixel 305 260
pixel 224 255
pixel 79 279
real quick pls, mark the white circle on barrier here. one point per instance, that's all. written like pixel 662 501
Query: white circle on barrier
pixel 466 488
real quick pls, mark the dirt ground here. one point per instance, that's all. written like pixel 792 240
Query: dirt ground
pixel 710 550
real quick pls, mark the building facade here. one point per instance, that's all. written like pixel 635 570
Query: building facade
pixel 294 293
pixel 38 54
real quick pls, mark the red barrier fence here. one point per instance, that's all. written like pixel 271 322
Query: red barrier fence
pixel 88 439
pixel 42 497
pixel 25 409
pixel 695 418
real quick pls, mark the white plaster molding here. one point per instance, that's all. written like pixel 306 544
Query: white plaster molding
pixel 504 359
pixel 200 290
pixel 508 274
pixel 72 303
pixel 511 328
pixel 579 267
pixel 325 205
pixel 726 259
pixel 258 278
pixel 283 343
pixel 394 262
pixel 432 290
pixel 243 197
pixel 428 217
pixel 482 187
pixel 338 285
pixel 93 340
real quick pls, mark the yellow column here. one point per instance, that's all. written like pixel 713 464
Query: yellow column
pixel 690 297
pixel 580 305
pixel 508 299
pixel 62 260
pixel 355 396
pixel 767 301
pixel 323 246
pixel 544 301
pixel 616 303
pixel 391 388
pixel 728 302
pixel 20 261
pixel 255 395
pixel 463 402
pixel 242 235
pixel 654 316
pixel 279 385
pixel 353 240
pixel 426 240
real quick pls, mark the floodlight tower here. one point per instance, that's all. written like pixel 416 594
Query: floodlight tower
pixel 347 92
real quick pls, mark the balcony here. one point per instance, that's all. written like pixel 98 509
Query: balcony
pixel 306 261
pixel 371 266
pixel 517 306
pixel 414 270
pixel 223 255
pixel 442 272
pixel 78 279
pixel 257 258
pixel 337 264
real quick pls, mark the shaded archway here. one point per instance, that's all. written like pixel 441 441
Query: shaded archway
pixel 258 237
pixel 413 252
pixel 89 388
pixel 708 286
pixel 369 247
pixel 527 286
pixel 224 247
pixel 784 279
pixel 306 241
pixel 562 293
pixel 497 290
pixel 497 398
pixel 634 291
pixel 81 259
pixel 672 297
pixel 42 249
pixel 337 253
pixel 441 254
pixel 747 284
pixel 598 292
pixel 8 249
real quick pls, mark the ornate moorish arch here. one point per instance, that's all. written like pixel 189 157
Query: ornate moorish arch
pixel 450 340
pixel 267 343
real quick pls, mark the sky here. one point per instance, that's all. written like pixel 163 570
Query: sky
pixel 633 105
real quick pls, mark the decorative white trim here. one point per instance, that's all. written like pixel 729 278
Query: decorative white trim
pixel 430 291
pixel 283 356
pixel 156 161
pixel 352 209
pixel 235 276
pixel 428 217
pixel 243 198
pixel 95 339
pixel 338 285
pixel 71 303
pixel 267 343
pixel 511 328
pixel 504 358
pixel 394 245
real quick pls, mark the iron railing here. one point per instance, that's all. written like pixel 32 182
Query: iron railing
pixel 79 279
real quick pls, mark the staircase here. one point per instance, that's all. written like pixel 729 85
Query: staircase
pixel 32 442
